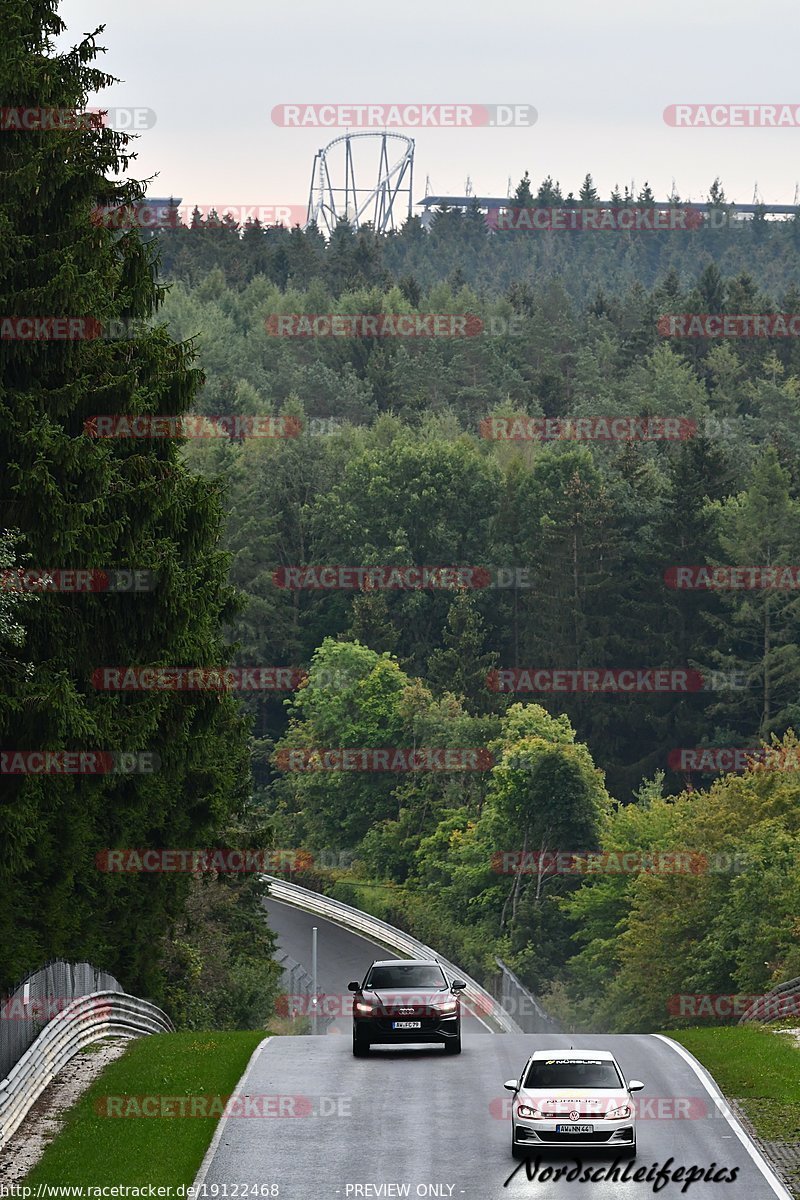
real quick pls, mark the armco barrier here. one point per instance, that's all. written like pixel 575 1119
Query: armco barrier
pixel 481 1002
pixel 783 1000
pixel 38 997
pixel 515 997
pixel 99 1015
pixel 297 982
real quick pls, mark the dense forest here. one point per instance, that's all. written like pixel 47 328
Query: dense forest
pixel 390 457
pixel 579 538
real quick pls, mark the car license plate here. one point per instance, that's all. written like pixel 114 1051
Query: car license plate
pixel 574 1128
pixel 407 1025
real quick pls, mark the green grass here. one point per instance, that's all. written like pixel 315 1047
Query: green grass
pixel 759 1068
pixel 93 1150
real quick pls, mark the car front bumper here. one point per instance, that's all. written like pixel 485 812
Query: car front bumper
pixel 378 1030
pixel 542 1134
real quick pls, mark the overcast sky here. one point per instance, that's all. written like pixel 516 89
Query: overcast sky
pixel 599 76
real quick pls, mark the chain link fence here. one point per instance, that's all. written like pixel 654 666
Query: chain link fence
pixel 298 989
pixel 40 997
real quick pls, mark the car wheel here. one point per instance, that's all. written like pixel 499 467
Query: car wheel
pixel 516 1151
pixel 628 1152
pixel 453 1045
pixel 360 1045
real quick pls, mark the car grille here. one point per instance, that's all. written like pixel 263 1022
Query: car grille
pixel 562 1139
pixel 564 1115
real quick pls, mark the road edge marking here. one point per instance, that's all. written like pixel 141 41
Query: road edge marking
pixel 202 1170
pixel 708 1082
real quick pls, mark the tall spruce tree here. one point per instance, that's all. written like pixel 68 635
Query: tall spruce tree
pixel 588 193
pixel 461 665
pixel 90 503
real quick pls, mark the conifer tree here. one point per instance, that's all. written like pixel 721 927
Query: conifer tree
pixel 588 193
pixel 91 503
pixel 462 664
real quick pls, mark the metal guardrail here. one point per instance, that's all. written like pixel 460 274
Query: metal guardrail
pixel 39 997
pixel 515 997
pixel 782 1001
pixel 481 1002
pixel 86 1020
pixel 298 983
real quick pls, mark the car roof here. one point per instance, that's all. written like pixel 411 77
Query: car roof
pixel 406 962
pixel 577 1055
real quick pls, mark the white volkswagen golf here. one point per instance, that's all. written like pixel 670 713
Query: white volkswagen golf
pixel 575 1098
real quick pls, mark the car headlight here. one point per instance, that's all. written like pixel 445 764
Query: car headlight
pixel 530 1114
pixel 619 1114
pixel 363 1006
pixel 448 1008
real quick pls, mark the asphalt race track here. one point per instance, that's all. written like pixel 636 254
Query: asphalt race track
pixel 341 956
pixel 411 1122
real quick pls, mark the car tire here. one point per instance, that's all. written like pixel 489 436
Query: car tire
pixel 453 1046
pixel 629 1152
pixel 517 1152
pixel 360 1045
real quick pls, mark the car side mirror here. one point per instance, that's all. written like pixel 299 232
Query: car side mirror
pixel 354 987
pixel 635 1085
pixel 457 985
pixel 511 1085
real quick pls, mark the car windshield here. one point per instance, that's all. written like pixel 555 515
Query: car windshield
pixel 571 1073
pixel 400 976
